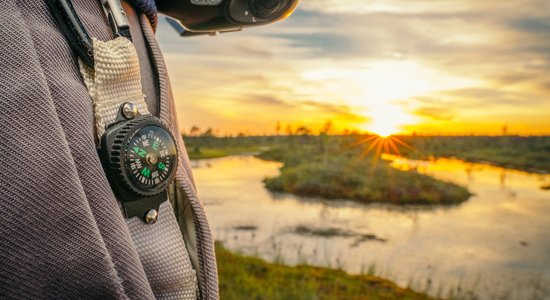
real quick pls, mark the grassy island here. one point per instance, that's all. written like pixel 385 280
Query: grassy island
pixel 344 175
pixel 244 277
pixel 325 166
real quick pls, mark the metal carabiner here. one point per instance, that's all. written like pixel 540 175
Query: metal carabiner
pixel 78 38
pixel 117 18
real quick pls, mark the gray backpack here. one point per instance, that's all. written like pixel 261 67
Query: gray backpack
pixel 63 234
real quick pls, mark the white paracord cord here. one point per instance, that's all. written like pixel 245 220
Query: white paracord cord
pixel 116 79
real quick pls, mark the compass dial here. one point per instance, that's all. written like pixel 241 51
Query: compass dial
pixel 151 158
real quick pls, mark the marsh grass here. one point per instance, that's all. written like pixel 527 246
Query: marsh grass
pixel 525 153
pixel 243 277
pixel 330 232
pixel 343 175
pixel 217 152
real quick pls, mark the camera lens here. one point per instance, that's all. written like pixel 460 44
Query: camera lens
pixel 268 9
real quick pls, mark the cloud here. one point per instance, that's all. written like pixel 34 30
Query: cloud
pixel 439 113
pixel 264 100
pixel 532 25
pixel 499 51
pixel 408 7
pixel 320 43
pixel 337 111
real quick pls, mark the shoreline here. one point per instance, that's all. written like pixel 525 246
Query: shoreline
pixel 529 170
pixel 508 166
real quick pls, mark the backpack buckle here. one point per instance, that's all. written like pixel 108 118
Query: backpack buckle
pixel 117 18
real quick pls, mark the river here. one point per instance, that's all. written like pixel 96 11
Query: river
pixel 496 245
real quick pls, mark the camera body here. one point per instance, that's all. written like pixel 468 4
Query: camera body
pixel 213 16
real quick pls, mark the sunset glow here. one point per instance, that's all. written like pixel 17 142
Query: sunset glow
pixel 386 120
pixel 386 67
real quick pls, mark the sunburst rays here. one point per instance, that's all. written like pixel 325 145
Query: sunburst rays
pixel 380 145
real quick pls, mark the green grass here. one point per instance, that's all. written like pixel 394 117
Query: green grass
pixel 244 277
pixel 524 153
pixel 216 152
pixel 344 175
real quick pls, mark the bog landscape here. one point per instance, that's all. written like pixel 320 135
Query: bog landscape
pixel 356 216
pixel 384 149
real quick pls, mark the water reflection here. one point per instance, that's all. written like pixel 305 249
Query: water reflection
pixel 497 243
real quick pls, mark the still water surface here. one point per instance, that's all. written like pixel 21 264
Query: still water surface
pixel 496 244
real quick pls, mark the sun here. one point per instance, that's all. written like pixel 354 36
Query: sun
pixel 383 129
pixel 387 120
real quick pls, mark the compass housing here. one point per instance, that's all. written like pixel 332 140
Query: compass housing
pixel 139 157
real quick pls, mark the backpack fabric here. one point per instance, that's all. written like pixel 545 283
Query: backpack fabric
pixel 62 232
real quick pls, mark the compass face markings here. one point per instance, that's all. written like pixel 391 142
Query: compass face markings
pixel 146 172
pixel 139 151
pixel 149 156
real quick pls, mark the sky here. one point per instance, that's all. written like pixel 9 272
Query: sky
pixel 382 66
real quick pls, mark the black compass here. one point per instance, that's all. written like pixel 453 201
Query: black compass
pixel 140 157
pixel 150 157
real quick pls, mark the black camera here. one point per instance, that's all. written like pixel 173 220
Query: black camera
pixel 192 17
